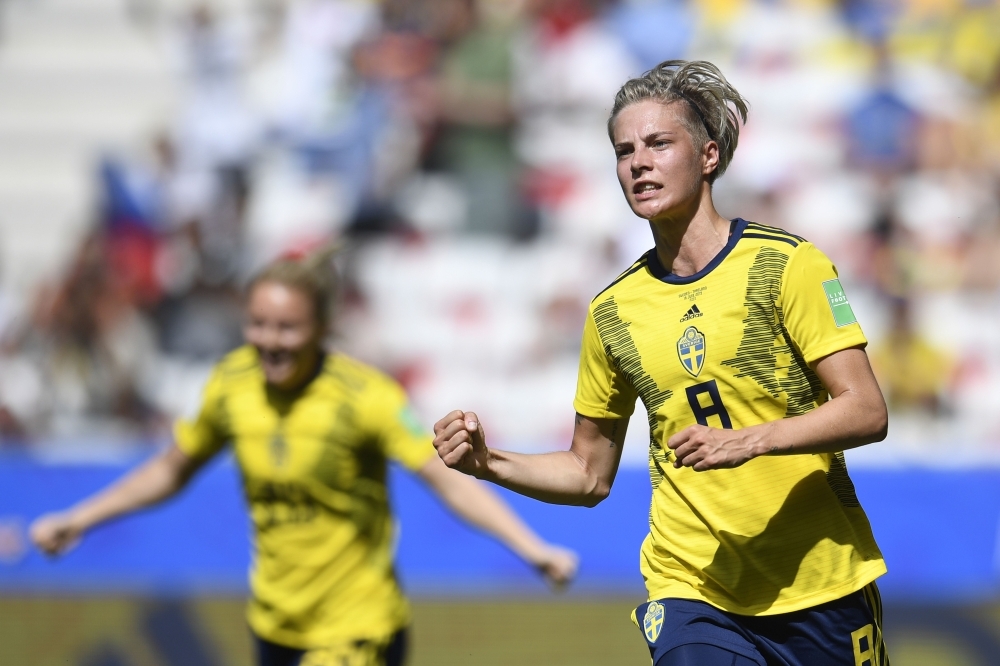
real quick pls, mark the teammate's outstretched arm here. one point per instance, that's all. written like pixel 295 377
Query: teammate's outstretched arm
pixel 151 483
pixel 581 476
pixel 477 504
pixel 854 415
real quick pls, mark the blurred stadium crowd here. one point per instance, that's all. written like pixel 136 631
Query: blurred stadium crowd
pixel 458 151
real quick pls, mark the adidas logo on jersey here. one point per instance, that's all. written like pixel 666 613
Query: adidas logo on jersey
pixel 692 312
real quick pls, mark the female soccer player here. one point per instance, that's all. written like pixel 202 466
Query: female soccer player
pixel 311 433
pixel 740 342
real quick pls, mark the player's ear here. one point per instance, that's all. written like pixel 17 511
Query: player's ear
pixel 709 157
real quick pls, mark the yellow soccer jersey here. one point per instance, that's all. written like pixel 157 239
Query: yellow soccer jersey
pixel 314 472
pixel 731 347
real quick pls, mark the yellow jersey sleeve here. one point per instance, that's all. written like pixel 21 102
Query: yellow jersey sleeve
pixel 400 434
pixel 205 435
pixel 602 392
pixel 817 314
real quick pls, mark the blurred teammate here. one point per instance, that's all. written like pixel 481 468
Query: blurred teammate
pixel 742 346
pixel 312 433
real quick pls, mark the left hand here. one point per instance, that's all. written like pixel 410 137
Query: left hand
pixel 703 448
pixel 557 565
pixel 56 533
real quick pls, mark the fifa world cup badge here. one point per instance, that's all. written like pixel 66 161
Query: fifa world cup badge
pixel 691 350
pixel 652 623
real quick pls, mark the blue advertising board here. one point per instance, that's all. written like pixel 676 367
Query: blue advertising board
pixel 938 530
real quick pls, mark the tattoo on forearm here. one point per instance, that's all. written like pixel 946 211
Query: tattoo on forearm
pixel 614 429
pixel 781 449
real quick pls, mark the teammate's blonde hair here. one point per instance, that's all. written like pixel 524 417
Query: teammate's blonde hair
pixel 710 101
pixel 313 275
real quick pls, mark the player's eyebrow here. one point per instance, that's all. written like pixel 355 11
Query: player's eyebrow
pixel 652 136
pixel 657 134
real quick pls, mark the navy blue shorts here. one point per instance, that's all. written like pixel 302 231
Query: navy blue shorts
pixel 391 652
pixel 845 632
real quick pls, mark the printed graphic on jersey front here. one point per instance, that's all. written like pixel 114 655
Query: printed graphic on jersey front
pixel 692 294
pixel 691 350
pixel 692 313
pixel 652 622
pixel 765 339
pixel 620 348
pixel 840 482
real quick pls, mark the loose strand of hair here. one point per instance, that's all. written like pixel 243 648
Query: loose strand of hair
pixel 712 98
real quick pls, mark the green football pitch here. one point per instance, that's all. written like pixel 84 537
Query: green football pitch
pixel 570 632
pixel 86 631
pixel 112 631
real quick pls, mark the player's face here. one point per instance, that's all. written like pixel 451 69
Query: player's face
pixel 660 169
pixel 281 323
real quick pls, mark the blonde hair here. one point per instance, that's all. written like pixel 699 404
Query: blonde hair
pixel 714 107
pixel 313 275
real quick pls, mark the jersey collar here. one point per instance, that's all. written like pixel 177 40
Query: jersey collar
pixel 736 228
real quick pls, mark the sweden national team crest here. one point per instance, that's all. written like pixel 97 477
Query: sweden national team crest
pixel 279 449
pixel 652 623
pixel 691 350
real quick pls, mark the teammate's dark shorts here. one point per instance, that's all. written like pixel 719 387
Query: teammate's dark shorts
pixel 845 632
pixel 391 652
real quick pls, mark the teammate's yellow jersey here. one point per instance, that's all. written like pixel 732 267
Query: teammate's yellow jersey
pixel 732 346
pixel 314 472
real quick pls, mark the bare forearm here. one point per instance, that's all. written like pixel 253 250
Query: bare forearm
pixel 581 476
pixel 475 503
pixel 855 415
pixel 845 422
pixel 561 477
pixel 149 484
pixel 154 481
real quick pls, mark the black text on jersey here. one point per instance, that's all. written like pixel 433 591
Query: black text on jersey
pixel 692 312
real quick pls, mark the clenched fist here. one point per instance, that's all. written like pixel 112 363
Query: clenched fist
pixel 55 533
pixel 461 443
pixel 558 566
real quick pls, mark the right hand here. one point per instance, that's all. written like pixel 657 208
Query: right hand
pixel 461 443
pixel 55 533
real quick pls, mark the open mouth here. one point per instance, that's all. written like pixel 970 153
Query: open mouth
pixel 640 189
pixel 275 359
